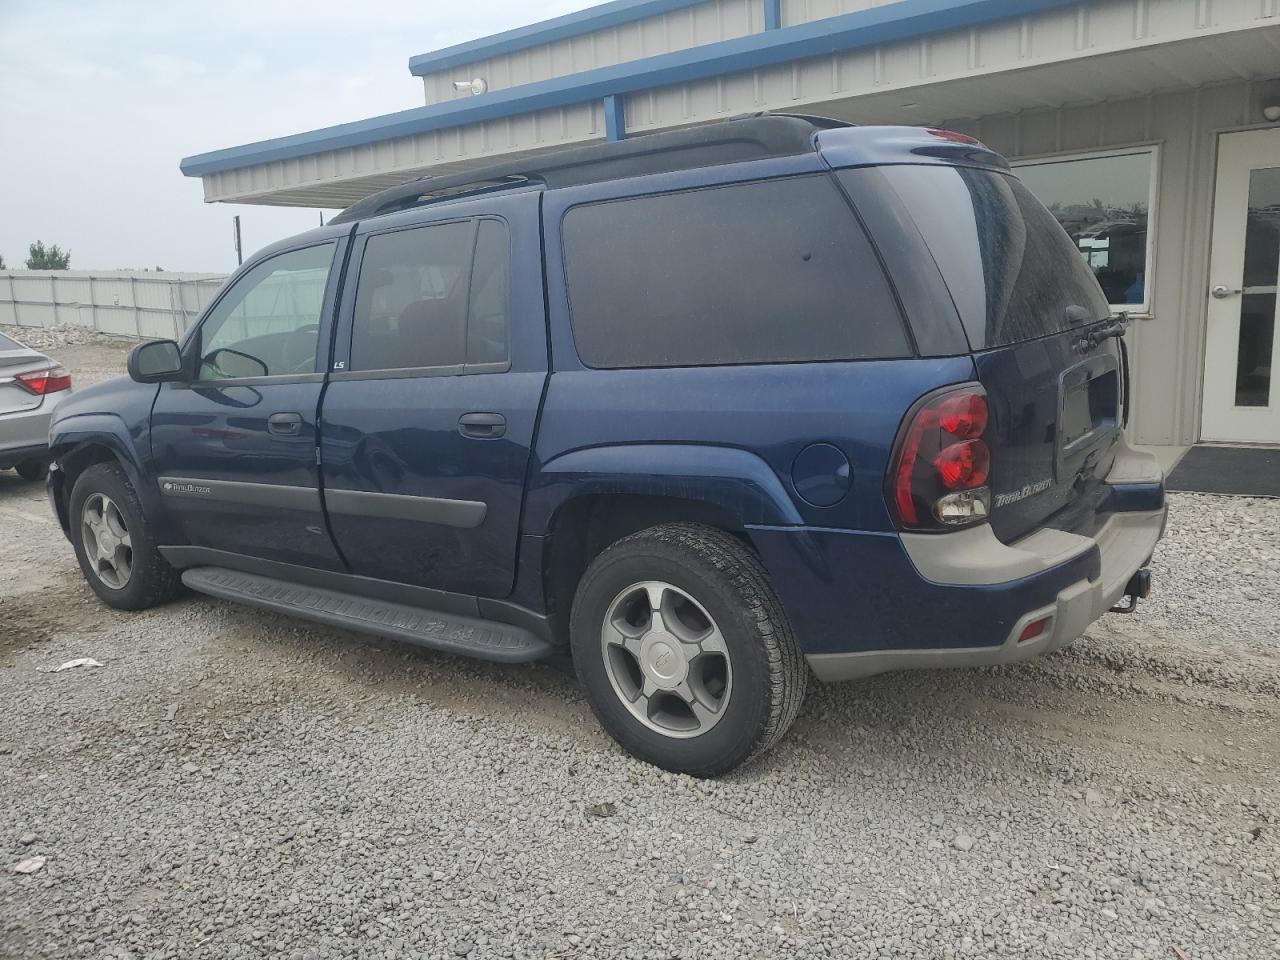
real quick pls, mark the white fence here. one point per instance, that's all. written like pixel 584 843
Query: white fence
pixel 118 302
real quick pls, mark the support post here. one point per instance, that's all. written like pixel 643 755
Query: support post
pixel 773 14
pixel 615 122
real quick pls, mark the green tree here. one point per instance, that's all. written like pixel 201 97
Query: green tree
pixel 53 258
pixel 2 266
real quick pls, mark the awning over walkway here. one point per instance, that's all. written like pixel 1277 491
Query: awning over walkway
pixel 912 61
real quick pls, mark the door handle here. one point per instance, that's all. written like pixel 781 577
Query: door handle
pixel 284 424
pixel 482 426
pixel 1221 293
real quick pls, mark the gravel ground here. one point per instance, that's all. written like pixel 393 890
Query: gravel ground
pixel 236 784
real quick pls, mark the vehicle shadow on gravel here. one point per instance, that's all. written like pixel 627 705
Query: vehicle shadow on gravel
pixel 995 717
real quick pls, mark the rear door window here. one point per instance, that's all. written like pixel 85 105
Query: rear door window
pixel 487 309
pixel 1013 272
pixel 411 298
pixel 432 296
pixel 763 272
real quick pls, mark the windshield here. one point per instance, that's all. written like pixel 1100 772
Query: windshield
pixel 1012 270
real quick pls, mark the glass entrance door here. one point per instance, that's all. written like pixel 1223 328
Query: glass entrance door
pixel 1241 379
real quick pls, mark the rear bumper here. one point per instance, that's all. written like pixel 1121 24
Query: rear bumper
pixel 864 602
pixel 1124 546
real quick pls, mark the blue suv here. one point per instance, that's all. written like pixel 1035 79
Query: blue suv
pixel 715 409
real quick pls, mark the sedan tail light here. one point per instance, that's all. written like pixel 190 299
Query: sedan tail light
pixel 41 382
pixel 937 477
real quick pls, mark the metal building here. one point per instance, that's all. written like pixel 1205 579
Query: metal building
pixel 1151 128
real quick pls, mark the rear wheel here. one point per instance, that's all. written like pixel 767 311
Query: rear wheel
pixel 116 552
pixel 684 651
pixel 32 469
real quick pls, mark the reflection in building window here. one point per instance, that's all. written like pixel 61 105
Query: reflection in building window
pixel 1103 203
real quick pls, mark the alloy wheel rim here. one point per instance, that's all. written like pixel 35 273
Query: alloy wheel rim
pixel 666 659
pixel 107 543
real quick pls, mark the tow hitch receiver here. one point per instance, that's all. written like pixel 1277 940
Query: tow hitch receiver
pixel 1138 588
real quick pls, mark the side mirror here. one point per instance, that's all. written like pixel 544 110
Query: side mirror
pixel 234 365
pixel 155 362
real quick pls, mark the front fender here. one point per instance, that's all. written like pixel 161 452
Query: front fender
pixel 79 435
pixel 735 480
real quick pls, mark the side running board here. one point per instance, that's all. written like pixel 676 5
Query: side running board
pixel 449 632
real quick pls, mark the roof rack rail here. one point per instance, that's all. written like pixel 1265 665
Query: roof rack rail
pixel 750 137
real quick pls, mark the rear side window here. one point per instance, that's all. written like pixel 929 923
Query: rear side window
pixel 487 312
pixel 1013 272
pixel 764 272
pixel 432 296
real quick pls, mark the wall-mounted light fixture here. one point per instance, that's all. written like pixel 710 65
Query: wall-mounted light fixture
pixel 1272 112
pixel 476 86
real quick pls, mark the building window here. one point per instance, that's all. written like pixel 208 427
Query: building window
pixel 1104 203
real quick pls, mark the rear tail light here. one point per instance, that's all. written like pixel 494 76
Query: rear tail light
pixel 963 465
pixel 41 382
pixel 938 475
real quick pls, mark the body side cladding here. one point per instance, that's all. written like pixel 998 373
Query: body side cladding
pixel 466 514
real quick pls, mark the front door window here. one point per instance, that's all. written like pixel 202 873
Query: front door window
pixel 267 325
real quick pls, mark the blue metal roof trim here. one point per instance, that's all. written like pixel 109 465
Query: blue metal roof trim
pixel 599 17
pixel 903 20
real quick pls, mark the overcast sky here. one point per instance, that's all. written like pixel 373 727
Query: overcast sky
pixel 100 99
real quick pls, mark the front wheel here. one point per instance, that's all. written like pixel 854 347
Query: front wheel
pixel 116 551
pixel 684 651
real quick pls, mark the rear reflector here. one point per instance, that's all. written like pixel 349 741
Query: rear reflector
pixel 41 382
pixel 1034 629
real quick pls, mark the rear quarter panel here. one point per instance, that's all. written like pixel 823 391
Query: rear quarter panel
pixel 772 412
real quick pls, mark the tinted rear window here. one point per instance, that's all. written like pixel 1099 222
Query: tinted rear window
pixel 765 272
pixel 1012 270
pixel 9 344
pixel 411 299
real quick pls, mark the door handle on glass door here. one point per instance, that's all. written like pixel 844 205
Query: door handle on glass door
pixel 1221 293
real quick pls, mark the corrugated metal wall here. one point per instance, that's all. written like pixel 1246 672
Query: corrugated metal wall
pixel 117 303
pixel 678 30
pixel 869 82
pixel 357 172
pixel 1168 345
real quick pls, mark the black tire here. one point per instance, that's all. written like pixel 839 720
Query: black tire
pixel 152 581
pixel 725 578
pixel 33 470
